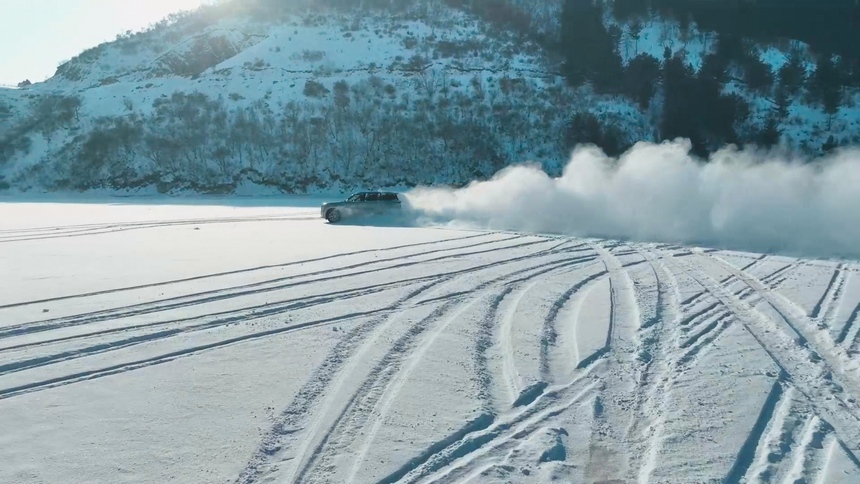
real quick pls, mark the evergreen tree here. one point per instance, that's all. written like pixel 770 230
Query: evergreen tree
pixel 640 79
pixel 829 145
pixel 695 108
pixel 579 19
pixel 589 49
pixel 765 20
pixel 853 73
pixel 781 102
pixel 792 74
pixel 730 46
pixel 585 128
pixel 757 75
pixel 714 67
pixel 718 113
pixel 826 87
pixel 679 115
pixel 769 136
pixel 831 102
pixel 635 33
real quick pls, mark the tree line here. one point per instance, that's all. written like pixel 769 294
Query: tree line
pixel 693 104
pixel 363 134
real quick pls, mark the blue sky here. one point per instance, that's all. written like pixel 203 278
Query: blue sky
pixel 38 35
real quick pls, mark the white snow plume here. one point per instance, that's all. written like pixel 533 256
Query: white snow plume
pixel 739 199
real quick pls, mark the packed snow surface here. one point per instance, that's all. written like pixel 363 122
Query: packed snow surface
pixel 156 342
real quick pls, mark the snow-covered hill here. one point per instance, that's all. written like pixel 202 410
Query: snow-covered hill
pixel 149 342
pixel 806 126
pixel 427 94
pixel 317 98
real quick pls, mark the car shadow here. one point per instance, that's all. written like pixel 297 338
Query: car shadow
pixel 402 220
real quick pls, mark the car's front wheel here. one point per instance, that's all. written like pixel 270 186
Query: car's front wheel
pixel 333 215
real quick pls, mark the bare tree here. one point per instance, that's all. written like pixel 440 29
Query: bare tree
pixel 430 80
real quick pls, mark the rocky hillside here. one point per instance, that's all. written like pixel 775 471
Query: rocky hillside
pixel 322 96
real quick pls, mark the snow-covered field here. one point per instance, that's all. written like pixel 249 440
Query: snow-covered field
pixel 155 342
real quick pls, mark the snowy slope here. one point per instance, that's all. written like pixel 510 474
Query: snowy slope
pixel 149 342
pixel 434 73
pixel 226 99
pixel 806 127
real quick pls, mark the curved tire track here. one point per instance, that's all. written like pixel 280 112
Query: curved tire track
pixel 809 374
pixel 367 407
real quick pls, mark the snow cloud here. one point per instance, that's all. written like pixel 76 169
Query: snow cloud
pixel 742 200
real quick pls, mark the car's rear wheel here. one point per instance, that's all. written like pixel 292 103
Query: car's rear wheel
pixel 333 216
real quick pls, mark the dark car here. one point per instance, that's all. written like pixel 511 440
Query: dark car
pixel 362 203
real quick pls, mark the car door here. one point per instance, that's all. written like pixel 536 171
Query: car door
pixel 371 203
pixel 354 205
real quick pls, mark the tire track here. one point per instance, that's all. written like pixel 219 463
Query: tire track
pixel 510 375
pixel 619 391
pixel 483 342
pixel 28 230
pixel 658 359
pixel 706 312
pixel 703 339
pixel 256 288
pixel 832 444
pixel 396 385
pixel 692 299
pixel 751 447
pixel 459 457
pixel 370 402
pixel 343 407
pixel 772 280
pixel 382 373
pixel 796 319
pixel 803 456
pixel 790 447
pixel 827 308
pixel 624 336
pixel 809 374
pixel 273 284
pixel 252 269
pixel 754 263
pixel 849 330
pixel 691 332
pixel 550 334
pixel 124 227
pixel 489 325
pixel 329 374
pixel 758 260
pixel 776 278
pixel 231 315
pixel 776 441
pixel 223 318
pixel 170 356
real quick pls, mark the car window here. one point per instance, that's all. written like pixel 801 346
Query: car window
pixel 371 197
pixel 358 197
